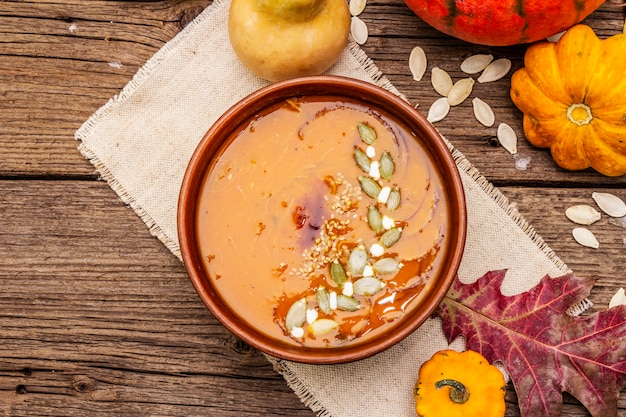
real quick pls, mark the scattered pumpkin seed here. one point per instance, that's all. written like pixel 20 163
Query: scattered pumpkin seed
pixel 460 91
pixel 390 237
pixel 386 266
pixel 476 63
pixel 555 37
pixel 387 166
pixel 358 30
pixel 441 81
pixel 347 303
pixel 610 204
pixel 393 202
pixel 417 63
pixel 619 298
pixel 337 273
pixel 362 160
pixel 323 299
pixel 483 112
pixel 582 214
pixel 366 133
pixel 368 286
pixel 585 237
pixel 323 326
pixel 507 138
pixel 438 110
pixel 496 70
pixel 374 219
pixel 369 186
pixel 296 315
pixel 357 6
pixel 357 261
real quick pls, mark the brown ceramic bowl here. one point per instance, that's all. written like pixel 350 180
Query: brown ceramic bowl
pixel 220 137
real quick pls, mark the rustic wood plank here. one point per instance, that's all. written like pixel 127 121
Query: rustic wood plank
pixel 98 318
pixel 60 61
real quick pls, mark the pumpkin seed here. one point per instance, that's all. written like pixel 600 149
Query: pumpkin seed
pixel 323 326
pixel 357 6
pixel 496 70
pixel 393 202
pixel 358 30
pixel 582 214
pixel 366 133
pixel 585 237
pixel 386 266
pixel 483 112
pixel 296 315
pixel 347 303
pixel 441 81
pixel 387 166
pixel 476 63
pixel 439 110
pixel 417 63
pixel 337 273
pixel 369 186
pixel 368 286
pixel 610 204
pixel 390 237
pixel 357 261
pixel 460 91
pixel 374 219
pixel 362 160
pixel 619 298
pixel 323 299
pixel 555 37
pixel 507 138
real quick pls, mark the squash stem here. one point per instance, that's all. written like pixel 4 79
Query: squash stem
pixel 580 114
pixel 458 392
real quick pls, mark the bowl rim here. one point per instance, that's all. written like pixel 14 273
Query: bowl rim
pixel 239 113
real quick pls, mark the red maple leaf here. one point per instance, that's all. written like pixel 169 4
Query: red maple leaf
pixel 544 350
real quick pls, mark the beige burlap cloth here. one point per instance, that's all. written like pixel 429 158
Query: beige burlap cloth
pixel 140 143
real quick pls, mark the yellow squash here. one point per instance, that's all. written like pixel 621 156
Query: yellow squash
pixel 464 384
pixel 573 96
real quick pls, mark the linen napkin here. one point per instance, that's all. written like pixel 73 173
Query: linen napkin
pixel 141 141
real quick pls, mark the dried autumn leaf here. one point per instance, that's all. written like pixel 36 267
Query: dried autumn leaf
pixel 544 350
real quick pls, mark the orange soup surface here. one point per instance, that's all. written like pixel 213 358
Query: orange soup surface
pixel 322 221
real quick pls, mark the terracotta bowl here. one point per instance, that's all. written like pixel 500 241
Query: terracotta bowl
pixel 220 137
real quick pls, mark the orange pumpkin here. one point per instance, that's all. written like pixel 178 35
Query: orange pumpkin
pixel 573 96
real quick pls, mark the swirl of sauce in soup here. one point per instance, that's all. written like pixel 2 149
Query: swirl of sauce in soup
pixel 286 200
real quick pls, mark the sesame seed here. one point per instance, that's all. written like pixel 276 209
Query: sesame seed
pixel 383 196
pixel 347 289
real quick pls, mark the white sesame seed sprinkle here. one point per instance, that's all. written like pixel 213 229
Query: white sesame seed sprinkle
pixel 383 196
pixel 377 250
pixel 297 332
pixel 332 300
pixel 348 289
pixel 311 315
pixel 375 170
pixel 388 222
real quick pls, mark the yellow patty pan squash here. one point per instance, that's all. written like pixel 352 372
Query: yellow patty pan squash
pixel 573 96
pixel 459 384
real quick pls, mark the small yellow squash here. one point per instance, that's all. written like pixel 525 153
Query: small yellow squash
pixel 573 96
pixel 459 384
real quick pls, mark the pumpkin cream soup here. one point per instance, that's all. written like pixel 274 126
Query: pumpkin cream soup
pixel 322 221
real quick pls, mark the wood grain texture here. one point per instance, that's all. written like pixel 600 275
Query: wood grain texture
pixel 96 316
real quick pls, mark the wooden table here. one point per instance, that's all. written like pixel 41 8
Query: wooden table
pixel 97 317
